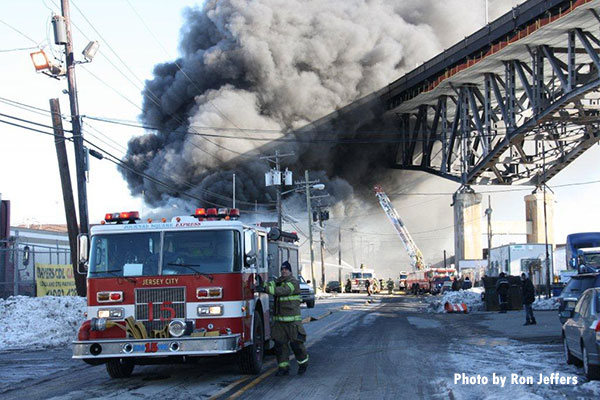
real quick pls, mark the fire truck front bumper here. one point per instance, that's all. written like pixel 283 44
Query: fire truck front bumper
pixel 183 346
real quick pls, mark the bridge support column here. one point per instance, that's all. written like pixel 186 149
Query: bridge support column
pixel 534 215
pixel 467 227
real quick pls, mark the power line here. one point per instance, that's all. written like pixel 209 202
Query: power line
pixel 32 129
pixel 17 49
pixel 20 33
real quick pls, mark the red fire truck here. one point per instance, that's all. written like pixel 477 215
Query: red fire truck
pixel 178 289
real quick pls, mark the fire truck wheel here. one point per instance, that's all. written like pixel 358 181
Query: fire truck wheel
pixel 251 357
pixel 119 367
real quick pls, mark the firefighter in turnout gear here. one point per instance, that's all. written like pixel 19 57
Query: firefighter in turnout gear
pixel 288 327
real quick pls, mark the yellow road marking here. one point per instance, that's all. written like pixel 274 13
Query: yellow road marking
pixel 228 388
pixel 272 370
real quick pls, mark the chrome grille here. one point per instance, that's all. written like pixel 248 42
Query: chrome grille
pixel 154 299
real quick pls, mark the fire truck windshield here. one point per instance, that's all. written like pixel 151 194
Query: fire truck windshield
pixel 362 275
pixel 181 252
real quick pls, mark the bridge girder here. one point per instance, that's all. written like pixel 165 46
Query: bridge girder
pixel 518 117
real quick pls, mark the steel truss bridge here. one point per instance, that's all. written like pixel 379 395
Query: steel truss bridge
pixel 514 103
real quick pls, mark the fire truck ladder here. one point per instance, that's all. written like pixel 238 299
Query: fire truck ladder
pixel 416 257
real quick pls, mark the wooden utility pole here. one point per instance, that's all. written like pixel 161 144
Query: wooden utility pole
pixel 67 191
pixel 322 251
pixel 340 255
pixel 80 166
pixel 310 237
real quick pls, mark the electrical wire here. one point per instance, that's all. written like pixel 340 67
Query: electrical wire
pixel 20 33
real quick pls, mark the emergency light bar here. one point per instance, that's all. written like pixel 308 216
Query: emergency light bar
pixel 214 214
pixel 121 217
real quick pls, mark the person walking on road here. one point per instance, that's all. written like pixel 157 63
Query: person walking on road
pixel 456 286
pixel 368 286
pixel 528 299
pixel 502 287
pixel 390 285
pixel 288 329
pixel 348 286
pixel 467 284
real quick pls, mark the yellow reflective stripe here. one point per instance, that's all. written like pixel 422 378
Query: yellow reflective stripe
pixel 291 286
pixel 290 298
pixel 284 364
pixel 288 318
pixel 271 288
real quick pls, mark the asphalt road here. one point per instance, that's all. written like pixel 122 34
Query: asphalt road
pixel 384 349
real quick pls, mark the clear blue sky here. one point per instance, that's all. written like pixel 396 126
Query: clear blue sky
pixel 30 178
pixel 30 173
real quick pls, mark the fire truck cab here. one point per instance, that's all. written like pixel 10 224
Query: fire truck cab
pixel 178 289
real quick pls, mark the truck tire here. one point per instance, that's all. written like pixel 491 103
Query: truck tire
pixel 119 367
pixel 250 358
pixel 310 303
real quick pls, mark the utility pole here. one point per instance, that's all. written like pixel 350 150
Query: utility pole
pixel 233 206
pixel 67 191
pixel 340 255
pixel 488 212
pixel 546 224
pixel 322 251
pixel 76 123
pixel 310 237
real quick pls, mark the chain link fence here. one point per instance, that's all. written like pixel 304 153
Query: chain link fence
pixel 17 265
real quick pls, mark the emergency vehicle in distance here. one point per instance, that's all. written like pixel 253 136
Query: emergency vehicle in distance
pixel 359 277
pixel 428 279
pixel 179 289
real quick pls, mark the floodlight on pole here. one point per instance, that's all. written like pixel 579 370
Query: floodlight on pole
pixel 43 64
pixel 319 186
pixel 90 50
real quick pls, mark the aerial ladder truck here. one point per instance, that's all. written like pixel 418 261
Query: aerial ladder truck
pixel 418 276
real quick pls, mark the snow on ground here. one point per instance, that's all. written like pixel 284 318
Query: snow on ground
pixel 470 297
pixel 39 322
pixel 545 304
pixel 485 357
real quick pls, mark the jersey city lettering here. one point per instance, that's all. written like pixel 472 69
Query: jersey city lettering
pixel 160 281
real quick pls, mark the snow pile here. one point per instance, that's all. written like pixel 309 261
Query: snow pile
pixel 470 297
pixel 40 322
pixel 322 295
pixel 545 304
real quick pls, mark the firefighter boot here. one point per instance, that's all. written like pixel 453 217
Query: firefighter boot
pixel 302 366
pixel 283 371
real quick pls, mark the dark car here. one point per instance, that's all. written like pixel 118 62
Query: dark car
pixel 333 286
pixel 573 291
pixel 581 334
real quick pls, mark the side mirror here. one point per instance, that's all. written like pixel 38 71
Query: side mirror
pixel 250 259
pixel 26 254
pixel 83 250
pixel 308 281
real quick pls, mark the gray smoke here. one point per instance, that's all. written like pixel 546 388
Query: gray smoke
pixel 267 69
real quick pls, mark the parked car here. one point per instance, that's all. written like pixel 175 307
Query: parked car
pixel 581 334
pixel 333 286
pixel 573 291
pixel 306 292
pixel 446 287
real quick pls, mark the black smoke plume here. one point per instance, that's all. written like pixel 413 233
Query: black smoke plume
pixel 277 69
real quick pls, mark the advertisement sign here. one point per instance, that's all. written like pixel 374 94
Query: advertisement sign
pixel 54 280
